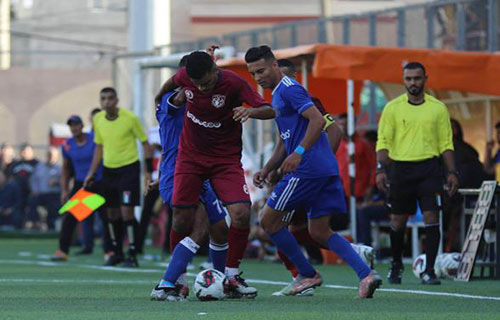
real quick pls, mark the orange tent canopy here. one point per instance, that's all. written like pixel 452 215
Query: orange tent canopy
pixel 475 72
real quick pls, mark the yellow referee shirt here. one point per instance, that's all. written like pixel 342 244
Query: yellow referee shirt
pixel 414 132
pixel 118 138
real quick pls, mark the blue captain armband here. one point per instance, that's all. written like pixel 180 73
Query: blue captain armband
pixel 300 150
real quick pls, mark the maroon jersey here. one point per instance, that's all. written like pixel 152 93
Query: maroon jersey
pixel 209 128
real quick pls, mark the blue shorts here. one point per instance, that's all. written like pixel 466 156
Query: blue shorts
pixel 318 196
pixel 213 206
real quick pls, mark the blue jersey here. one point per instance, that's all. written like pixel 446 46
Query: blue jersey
pixel 81 156
pixel 290 99
pixel 170 119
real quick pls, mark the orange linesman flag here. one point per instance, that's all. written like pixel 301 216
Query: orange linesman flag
pixel 82 204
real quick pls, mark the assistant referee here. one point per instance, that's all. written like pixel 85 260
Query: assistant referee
pixel 116 133
pixel 414 134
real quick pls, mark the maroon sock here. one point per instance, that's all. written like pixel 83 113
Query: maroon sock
pixel 237 239
pixel 175 238
pixel 303 237
pixel 288 264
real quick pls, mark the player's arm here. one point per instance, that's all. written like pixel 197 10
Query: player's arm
pixel 446 149
pixel 168 86
pixel 313 132
pixel 279 154
pixel 65 176
pixel 242 114
pixel 96 161
pixel 333 132
pixel 489 163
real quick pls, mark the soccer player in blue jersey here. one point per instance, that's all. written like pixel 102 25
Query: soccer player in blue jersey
pixel 173 287
pixel 310 177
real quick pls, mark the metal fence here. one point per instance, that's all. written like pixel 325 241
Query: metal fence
pixel 446 24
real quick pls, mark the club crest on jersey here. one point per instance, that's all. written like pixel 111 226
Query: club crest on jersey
pixel 189 94
pixel 218 100
pixel 245 189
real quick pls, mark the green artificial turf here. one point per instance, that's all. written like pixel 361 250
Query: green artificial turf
pixel 33 288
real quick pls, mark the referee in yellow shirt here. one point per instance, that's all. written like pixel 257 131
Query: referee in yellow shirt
pixel 116 132
pixel 414 133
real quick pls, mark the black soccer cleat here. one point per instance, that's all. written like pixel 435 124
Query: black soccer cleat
pixel 113 260
pixel 131 262
pixel 430 278
pixel 395 273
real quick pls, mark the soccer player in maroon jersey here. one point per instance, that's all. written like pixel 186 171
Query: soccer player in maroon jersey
pixel 210 148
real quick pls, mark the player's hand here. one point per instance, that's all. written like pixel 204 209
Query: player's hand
pixel 274 176
pixel 153 185
pixel 211 50
pixel 180 98
pixel 452 184
pixel 147 179
pixel 64 197
pixel 382 182
pixel 89 179
pixel 259 178
pixel 291 163
pixel 241 114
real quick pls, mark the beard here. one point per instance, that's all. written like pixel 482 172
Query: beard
pixel 414 90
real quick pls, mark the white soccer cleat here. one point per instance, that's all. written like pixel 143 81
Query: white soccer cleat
pixel 366 253
pixel 171 294
pixel 236 287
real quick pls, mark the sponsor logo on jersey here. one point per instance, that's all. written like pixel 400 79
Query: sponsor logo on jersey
pixel 218 100
pixel 285 135
pixel 273 196
pixel 245 189
pixel 206 124
pixel 189 94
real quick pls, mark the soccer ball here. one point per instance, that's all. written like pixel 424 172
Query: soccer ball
pixel 447 265
pixel 419 265
pixel 209 285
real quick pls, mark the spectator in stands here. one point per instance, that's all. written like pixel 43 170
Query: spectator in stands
pixel 45 183
pixel 6 157
pixel 373 208
pixel 21 171
pixel 492 163
pixel 364 159
pixel 10 203
pixel 471 175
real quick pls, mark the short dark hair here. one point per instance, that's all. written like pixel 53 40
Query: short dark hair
pixel 256 53
pixel 24 146
pixel 182 62
pixel 286 64
pixel 497 126
pixel 95 111
pixel 412 65
pixel 109 89
pixel 198 64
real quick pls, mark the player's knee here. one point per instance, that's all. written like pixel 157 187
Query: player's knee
pixel 240 217
pixel 218 232
pixel 199 235
pixel 182 222
pixel 320 235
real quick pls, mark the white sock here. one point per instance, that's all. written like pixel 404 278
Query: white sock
pixel 182 279
pixel 231 272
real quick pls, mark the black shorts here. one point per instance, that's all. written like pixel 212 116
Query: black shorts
pixel 122 185
pixel 410 182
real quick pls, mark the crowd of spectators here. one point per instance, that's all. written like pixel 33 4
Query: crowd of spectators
pixel 29 188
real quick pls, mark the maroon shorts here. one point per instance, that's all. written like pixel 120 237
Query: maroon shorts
pixel 226 177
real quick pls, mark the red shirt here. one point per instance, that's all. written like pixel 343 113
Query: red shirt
pixel 364 162
pixel 209 128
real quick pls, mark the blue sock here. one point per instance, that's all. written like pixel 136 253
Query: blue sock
pixel 183 253
pixel 218 255
pixel 284 240
pixel 343 248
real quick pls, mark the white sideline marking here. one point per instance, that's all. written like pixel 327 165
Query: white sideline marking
pixel 258 281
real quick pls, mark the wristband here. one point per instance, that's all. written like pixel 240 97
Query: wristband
pixel 149 165
pixel 455 173
pixel 300 150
